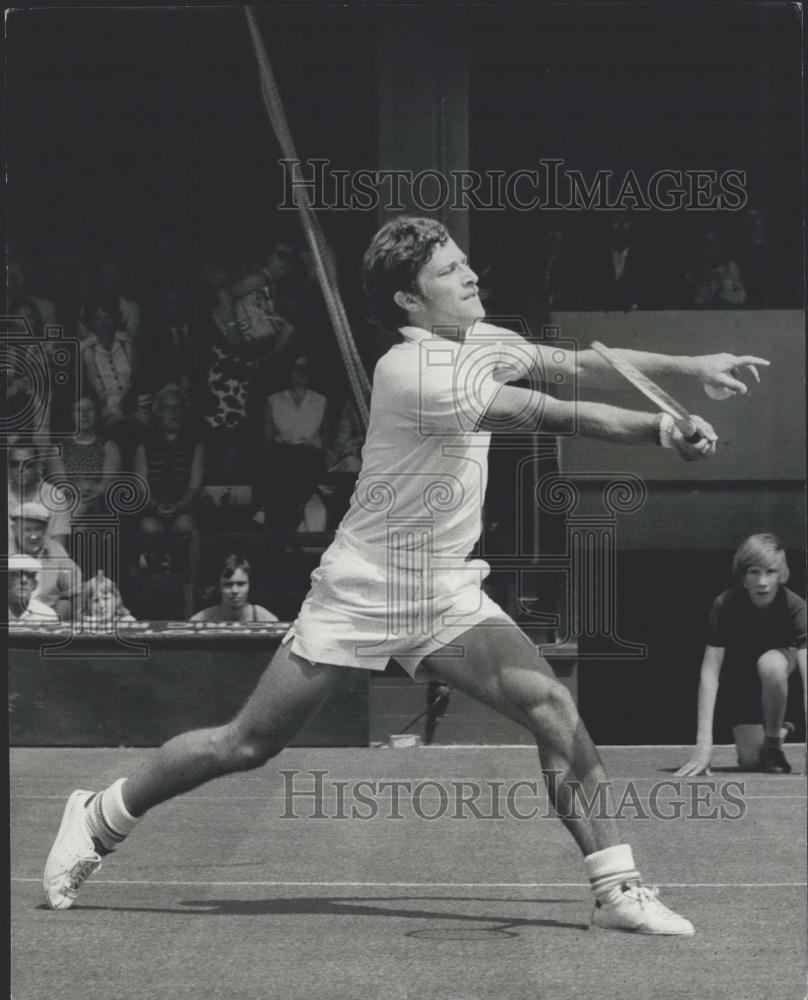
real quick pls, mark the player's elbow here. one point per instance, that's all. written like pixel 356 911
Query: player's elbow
pixel 524 411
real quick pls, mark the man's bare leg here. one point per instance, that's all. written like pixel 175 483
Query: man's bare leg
pixel 289 692
pixel 502 668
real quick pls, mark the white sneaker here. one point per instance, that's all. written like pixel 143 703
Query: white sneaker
pixel 73 857
pixel 639 910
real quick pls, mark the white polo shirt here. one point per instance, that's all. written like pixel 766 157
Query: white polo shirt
pixel 35 612
pixel 424 462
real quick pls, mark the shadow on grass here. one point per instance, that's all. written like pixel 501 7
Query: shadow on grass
pixel 364 907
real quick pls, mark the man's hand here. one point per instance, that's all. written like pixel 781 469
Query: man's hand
pixel 693 451
pixel 720 371
pixel 699 763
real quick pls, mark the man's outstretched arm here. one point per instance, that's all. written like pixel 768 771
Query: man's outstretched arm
pixel 720 371
pixel 520 410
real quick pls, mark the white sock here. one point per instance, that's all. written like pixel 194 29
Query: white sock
pixel 109 820
pixel 609 869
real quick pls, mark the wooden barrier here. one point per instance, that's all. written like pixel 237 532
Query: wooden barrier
pixel 89 694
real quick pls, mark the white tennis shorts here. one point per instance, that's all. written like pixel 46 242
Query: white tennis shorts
pixel 362 613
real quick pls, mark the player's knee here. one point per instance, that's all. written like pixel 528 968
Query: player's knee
pixel 537 693
pixel 235 751
pixel 772 666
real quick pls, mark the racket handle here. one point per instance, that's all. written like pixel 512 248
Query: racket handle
pixel 688 430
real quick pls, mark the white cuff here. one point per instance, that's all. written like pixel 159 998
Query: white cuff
pixel 667 428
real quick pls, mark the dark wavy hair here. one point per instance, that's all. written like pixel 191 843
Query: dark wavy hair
pixel 392 261
pixel 231 564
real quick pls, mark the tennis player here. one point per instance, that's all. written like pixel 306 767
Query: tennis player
pixel 397 581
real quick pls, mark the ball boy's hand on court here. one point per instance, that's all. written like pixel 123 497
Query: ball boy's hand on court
pixel 699 763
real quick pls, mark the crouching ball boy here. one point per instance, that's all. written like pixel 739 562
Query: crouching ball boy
pixel 757 637
pixel 388 587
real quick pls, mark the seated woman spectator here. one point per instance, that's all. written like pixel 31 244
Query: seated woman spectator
pixel 172 461
pixel 294 435
pixel 90 457
pixel 233 364
pixel 23 607
pixel 234 588
pixel 109 365
pixel 102 604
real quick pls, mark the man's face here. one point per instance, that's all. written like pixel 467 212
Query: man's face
pixel 761 583
pixel 446 291
pixel 235 590
pixel 30 535
pixel 21 586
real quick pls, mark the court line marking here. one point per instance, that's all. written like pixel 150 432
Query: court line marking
pixel 427 885
pixel 403 794
pixel 421 749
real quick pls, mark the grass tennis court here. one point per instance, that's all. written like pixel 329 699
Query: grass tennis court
pixel 216 895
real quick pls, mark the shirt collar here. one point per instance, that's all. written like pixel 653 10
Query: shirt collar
pixel 119 338
pixel 416 335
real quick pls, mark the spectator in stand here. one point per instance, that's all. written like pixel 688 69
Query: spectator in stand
pixel 23 607
pixel 616 276
pixel 108 286
pixel 294 436
pixel 175 350
pixel 345 455
pixel 109 364
pixel 714 281
pixel 228 379
pixel 89 457
pixel 344 459
pixel 290 283
pixel 27 483
pixel 234 588
pixel 172 461
pixel 103 607
pixel 267 334
pixel 59 577
pixel 248 339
